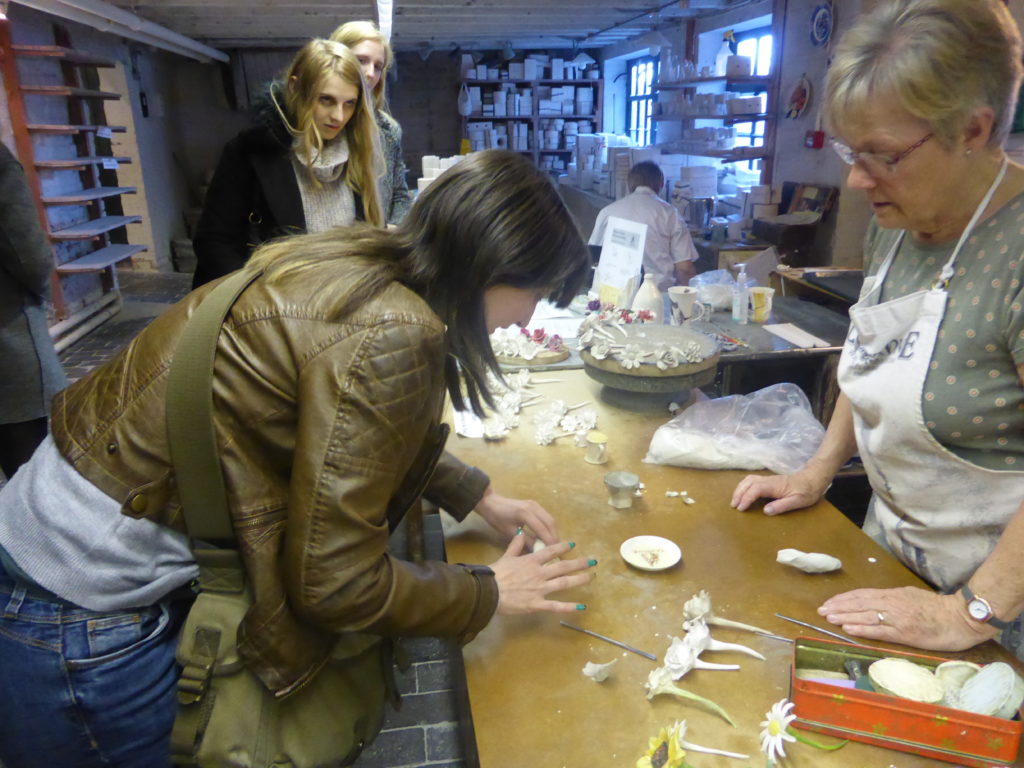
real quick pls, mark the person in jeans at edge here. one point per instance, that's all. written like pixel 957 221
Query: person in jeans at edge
pixel 328 390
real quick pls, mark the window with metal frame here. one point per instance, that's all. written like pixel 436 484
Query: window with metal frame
pixel 643 74
pixel 756 44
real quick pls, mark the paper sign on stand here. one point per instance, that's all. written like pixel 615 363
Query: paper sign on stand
pixel 622 254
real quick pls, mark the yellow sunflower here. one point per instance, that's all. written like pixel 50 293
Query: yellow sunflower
pixel 663 751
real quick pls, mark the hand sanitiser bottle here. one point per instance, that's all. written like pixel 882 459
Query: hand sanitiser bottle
pixel 741 297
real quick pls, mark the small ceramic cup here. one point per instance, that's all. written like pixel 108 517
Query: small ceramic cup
pixel 596 448
pixel 621 488
pixel 684 304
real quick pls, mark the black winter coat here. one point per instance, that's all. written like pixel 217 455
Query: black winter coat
pixel 254 196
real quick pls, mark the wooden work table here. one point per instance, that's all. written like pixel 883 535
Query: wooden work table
pixel 531 706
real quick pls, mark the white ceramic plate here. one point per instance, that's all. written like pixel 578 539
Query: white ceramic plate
pixel 650 553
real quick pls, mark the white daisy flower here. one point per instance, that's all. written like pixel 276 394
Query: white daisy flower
pixel 630 356
pixel 774 730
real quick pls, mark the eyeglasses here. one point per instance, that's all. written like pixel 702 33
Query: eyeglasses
pixel 871 162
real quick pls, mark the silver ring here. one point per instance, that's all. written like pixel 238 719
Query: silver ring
pixel 881 617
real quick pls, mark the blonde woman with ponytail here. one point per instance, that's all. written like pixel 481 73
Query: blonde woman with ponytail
pixel 311 163
pixel 375 58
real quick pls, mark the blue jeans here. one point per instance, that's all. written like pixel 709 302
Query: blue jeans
pixel 84 688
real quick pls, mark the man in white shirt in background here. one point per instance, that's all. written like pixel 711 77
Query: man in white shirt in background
pixel 669 252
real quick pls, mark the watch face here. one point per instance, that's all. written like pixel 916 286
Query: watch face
pixel 978 609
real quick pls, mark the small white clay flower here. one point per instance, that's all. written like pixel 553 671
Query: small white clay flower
pixel 774 730
pixel 665 357
pixel 495 429
pixel 601 349
pixel 544 434
pixel 699 607
pixel 659 683
pixel 631 355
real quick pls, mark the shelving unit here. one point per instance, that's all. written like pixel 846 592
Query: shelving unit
pixel 72 172
pixel 534 118
pixel 736 84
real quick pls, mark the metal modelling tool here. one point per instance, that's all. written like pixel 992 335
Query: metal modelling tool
pixel 775 637
pixel 836 635
pixel 645 654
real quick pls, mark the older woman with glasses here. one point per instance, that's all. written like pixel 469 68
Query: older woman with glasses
pixel 921 95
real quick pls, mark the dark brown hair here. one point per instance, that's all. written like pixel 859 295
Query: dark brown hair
pixel 492 219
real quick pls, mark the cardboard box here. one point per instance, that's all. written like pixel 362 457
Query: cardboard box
pixel 745 105
pixel 942 733
pixel 738 66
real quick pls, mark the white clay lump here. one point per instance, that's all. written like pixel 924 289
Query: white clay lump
pixel 599 672
pixel 899 677
pixel 808 562
pixel 996 690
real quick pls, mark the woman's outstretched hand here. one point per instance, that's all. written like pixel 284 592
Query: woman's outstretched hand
pixel 909 615
pixel 507 516
pixel 788 492
pixel 526 579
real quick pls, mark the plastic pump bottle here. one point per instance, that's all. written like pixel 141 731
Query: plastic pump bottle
pixel 728 49
pixel 741 297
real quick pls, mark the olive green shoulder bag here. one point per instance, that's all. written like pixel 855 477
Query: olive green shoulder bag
pixel 226 716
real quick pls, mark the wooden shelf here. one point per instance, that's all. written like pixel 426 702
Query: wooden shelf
pixel 99 260
pixel 48 128
pixel 70 55
pixel 470 81
pixel 527 118
pixel 88 195
pixel 93 228
pixel 723 118
pixel 751 82
pixel 68 91
pixel 73 163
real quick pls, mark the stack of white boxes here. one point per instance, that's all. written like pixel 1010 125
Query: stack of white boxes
pixel 512 134
pixel 433 166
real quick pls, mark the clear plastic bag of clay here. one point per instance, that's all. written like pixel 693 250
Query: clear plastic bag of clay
pixel 772 429
pixel 714 288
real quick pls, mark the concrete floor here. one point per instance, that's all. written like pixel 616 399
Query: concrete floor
pixel 424 732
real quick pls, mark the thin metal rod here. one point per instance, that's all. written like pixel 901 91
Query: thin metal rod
pixel 836 635
pixel 775 637
pixel 646 655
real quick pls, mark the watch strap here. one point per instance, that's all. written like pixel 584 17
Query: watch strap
pixel 969 596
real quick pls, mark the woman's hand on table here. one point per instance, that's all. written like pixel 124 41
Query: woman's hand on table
pixel 507 516
pixel 525 580
pixel 787 492
pixel 908 615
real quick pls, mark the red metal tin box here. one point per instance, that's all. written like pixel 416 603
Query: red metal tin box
pixel 887 721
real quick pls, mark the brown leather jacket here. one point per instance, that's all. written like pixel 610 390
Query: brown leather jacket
pixel 328 429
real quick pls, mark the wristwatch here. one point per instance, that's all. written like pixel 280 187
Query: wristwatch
pixel 980 610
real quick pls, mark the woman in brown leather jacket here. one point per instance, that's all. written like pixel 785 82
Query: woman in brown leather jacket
pixel 329 381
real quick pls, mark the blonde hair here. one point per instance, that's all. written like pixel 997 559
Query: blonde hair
pixel 352 33
pixel 303 83
pixel 940 59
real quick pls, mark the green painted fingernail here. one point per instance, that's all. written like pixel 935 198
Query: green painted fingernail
pixel 572 545
pixel 592 562
pixel 519 531
pixel 581 607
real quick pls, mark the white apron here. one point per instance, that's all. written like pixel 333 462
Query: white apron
pixel 938 513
